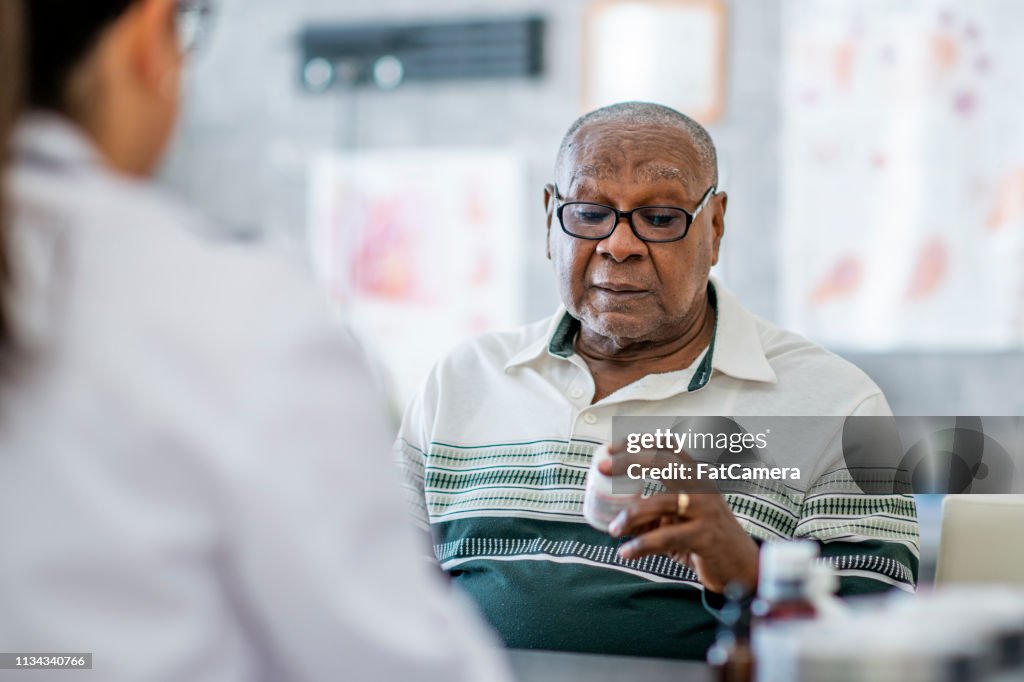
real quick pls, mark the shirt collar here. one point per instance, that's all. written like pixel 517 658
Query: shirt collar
pixel 562 326
pixel 562 343
pixel 737 348
pixel 739 351
pixel 52 140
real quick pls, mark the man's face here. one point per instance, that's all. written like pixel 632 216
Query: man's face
pixel 621 288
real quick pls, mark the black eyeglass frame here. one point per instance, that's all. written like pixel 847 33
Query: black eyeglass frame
pixel 628 215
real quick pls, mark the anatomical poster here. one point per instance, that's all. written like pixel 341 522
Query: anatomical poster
pixel 419 249
pixel 903 173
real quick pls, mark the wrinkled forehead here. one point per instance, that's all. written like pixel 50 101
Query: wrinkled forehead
pixel 640 154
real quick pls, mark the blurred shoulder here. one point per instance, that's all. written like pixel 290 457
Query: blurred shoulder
pixel 824 378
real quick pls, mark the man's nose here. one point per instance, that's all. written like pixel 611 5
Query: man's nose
pixel 622 243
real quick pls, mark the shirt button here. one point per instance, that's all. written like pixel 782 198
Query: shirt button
pixel 590 418
pixel 576 393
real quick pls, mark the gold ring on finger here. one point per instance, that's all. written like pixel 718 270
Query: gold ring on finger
pixel 682 504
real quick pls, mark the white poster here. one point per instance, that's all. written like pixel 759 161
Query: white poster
pixel 420 249
pixel 903 173
pixel 667 51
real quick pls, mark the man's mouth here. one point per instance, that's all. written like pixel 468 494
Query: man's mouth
pixel 621 289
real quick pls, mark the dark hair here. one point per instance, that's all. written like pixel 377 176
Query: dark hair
pixel 10 102
pixel 59 35
pixel 41 44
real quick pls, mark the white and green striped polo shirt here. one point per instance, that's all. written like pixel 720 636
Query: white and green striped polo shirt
pixel 496 448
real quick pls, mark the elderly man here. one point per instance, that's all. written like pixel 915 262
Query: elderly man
pixel 497 446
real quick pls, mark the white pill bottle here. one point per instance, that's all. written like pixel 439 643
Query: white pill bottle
pixel 601 504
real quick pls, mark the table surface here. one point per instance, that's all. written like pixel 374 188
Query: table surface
pixel 562 666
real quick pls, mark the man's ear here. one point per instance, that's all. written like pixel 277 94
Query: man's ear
pixel 549 212
pixel 154 45
pixel 718 205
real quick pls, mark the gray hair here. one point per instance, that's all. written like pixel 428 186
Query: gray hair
pixel 648 113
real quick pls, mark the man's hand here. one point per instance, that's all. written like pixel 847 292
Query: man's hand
pixel 707 537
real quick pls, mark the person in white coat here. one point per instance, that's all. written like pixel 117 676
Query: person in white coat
pixel 195 482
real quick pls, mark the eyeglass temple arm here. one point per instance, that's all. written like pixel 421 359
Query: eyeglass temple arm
pixel 712 191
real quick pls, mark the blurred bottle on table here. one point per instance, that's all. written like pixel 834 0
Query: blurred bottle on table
pixel 731 657
pixel 784 601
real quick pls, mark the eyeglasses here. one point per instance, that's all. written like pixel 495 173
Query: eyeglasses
pixel 586 220
pixel 193 18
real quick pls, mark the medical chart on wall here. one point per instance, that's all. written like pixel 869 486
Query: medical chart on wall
pixel 903 173
pixel 419 249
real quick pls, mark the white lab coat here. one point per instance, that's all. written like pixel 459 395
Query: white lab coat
pixel 195 479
